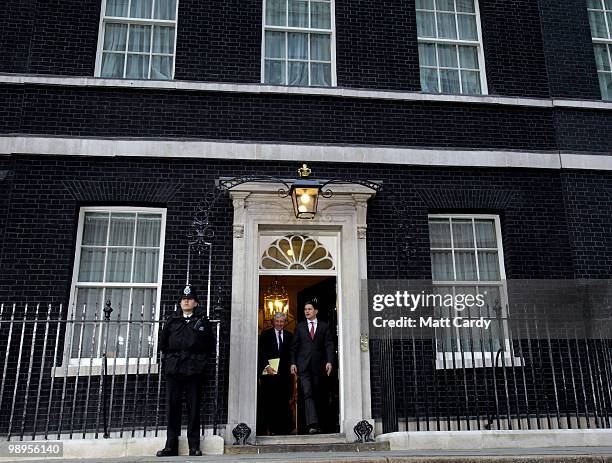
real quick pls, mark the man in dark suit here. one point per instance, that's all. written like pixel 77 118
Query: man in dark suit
pixel 312 354
pixel 276 385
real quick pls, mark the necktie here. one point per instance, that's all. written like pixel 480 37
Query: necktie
pixel 312 330
pixel 280 341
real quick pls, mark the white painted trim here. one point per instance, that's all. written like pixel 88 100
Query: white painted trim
pixel 287 90
pixel 475 440
pixel 277 152
pixel 107 147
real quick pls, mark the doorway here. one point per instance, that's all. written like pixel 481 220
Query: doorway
pixel 280 405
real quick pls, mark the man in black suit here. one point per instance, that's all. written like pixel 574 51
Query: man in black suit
pixel 276 385
pixel 312 354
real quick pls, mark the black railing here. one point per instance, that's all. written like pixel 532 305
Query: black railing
pixel 86 373
pixel 529 372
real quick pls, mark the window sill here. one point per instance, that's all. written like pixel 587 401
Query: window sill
pixel 96 370
pixel 465 361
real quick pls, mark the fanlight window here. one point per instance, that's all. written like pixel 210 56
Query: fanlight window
pixel 296 252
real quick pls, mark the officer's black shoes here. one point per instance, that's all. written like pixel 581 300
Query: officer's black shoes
pixel 195 453
pixel 168 452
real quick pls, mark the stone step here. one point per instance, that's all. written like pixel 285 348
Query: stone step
pixel 292 448
pixel 337 438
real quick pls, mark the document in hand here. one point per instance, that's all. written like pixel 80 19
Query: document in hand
pixel 273 363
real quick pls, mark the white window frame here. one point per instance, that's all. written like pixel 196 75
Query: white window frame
pixel 305 30
pixel 479 44
pixel 144 22
pixel 466 358
pixel 603 41
pixel 82 366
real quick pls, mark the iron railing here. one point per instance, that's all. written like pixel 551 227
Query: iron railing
pixel 530 372
pixel 74 375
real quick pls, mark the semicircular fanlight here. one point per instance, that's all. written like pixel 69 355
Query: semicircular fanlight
pixel 296 252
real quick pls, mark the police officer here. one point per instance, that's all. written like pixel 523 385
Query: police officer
pixel 186 340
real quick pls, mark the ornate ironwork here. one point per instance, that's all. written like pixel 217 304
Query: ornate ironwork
pixel 363 431
pixel 241 433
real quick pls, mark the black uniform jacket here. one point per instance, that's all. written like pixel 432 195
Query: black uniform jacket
pixel 312 354
pixel 186 344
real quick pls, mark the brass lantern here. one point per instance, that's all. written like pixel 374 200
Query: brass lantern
pixel 305 194
pixel 276 299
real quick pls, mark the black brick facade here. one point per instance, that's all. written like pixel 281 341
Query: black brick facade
pixel 568 46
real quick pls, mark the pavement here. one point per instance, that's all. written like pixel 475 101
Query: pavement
pixel 510 455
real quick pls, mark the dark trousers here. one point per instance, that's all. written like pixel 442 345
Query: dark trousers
pixel 175 387
pixel 312 385
pixel 276 391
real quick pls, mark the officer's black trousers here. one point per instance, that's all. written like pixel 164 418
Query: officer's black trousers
pixel 191 386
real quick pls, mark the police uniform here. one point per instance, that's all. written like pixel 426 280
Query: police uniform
pixel 186 343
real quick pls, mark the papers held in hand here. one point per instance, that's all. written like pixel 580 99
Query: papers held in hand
pixel 273 363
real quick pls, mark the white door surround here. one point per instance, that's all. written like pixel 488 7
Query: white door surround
pixel 257 207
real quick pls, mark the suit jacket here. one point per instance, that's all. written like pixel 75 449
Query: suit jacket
pixel 312 354
pixel 268 349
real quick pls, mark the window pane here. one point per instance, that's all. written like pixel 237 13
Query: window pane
pixel 112 65
pixel 425 4
pixel 146 263
pixel 608 4
pixel 447 55
pixel 426 26
pixel 445 5
pixel 119 265
pixel 485 234
pixel 447 28
pixel 140 38
pixel 298 13
pixel 141 338
pixel 609 15
pixel 115 36
pixel 165 9
pixel 488 265
pixel 320 74
pixel 85 334
pixel 450 81
pixel 320 49
pixel 141 8
pixel 95 227
pixel 161 67
pixel 149 229
pixel 91 266
pixel 439 234
pixel 163 39
pixel 298 73
pixel 320 15
pixel 462 234
pixel 120 300
pixel 276 12
pixel 594 4
pixel 467 27
pixel 137 67
pixel 466 6
pixel 468 57
pixel 275 44
pixel 117 8
pixel 298 46
pixel 429 80
pixel 605 84
pixel 442 266
pixel 274 72
pixel 427 54
pixel 122 229
pixel 598 24
pixel 470 82
pixel 465 265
